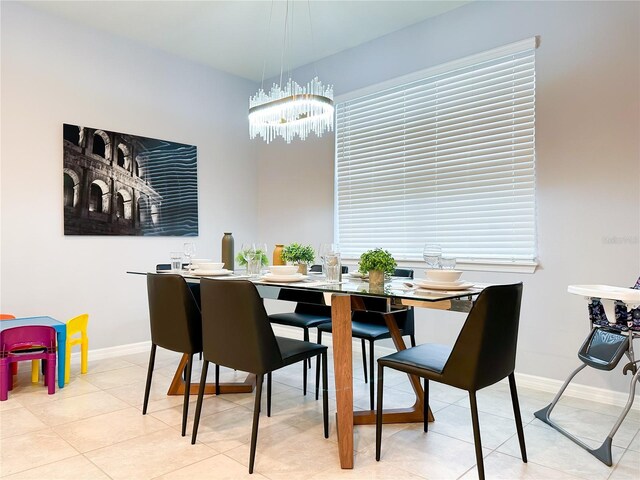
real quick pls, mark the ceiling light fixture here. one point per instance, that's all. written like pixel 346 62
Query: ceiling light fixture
pixel 290 110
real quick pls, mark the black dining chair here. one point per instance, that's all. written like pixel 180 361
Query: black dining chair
pixel 369 325
pixel 236 333
pixel 483 354
pixel 175 325
pixel 310 311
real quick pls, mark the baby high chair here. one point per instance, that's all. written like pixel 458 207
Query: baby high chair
pixel 615 322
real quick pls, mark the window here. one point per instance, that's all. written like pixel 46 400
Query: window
pixel 445 158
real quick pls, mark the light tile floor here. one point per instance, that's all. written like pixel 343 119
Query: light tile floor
pixel 94 429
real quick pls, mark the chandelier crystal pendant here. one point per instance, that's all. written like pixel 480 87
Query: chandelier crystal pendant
pixel 291 111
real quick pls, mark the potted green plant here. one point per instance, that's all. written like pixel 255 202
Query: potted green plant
pixel 377 263
pixel 300 255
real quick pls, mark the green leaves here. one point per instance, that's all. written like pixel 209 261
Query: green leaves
pixel 296 253
pixel 377 259
pixel 242 260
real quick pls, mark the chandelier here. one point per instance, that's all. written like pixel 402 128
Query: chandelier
pixel 291 110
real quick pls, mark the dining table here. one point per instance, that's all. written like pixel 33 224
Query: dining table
pixel 345 297
pixel 61 336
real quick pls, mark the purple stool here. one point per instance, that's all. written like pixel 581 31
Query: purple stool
pixel 30 342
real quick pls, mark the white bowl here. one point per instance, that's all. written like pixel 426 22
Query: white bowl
pixel 197 261
pixel 283 269
pixel 209 266
pixel 443 275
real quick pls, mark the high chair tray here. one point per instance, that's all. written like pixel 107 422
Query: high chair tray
pixel 626 295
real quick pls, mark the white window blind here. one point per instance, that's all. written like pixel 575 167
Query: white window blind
pixel 446 159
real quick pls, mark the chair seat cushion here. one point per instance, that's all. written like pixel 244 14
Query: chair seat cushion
pixel 367 331
pixel 293 350
pixel 422 359
pixel 300 320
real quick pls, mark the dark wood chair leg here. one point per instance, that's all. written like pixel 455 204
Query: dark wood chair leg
pixel 269 383
pixel 372 386
pixel 217 380
pixel 305 337
pixel 187 389
pixel 518 417
pixel 147 388
pixel 319 342
pixel 379 414
pixel 256 418
pixel 325 395
pixel 196 420
pixel 425 405
pixel 476 434
pixel 364 359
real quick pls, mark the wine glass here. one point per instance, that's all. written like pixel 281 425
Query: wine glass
pixel 189 252
pixel 432 254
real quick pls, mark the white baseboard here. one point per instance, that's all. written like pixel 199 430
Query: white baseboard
pixel 119 351
pixel 577 390
pixel 549 385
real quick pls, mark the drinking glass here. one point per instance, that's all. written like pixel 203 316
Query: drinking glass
pixel 432 254
pixel 333 267
pixel 448 262
pixel 254 254
pixel 189 252
pixel 324 250
pixel 176 261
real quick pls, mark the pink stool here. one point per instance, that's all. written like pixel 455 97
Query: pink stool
pixel 29 342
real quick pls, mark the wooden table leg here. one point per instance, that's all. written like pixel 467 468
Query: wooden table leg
pixel 177 383
pixel 398 415
pixel 343 368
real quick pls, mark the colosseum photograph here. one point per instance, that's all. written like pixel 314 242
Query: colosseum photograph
pixel 120 184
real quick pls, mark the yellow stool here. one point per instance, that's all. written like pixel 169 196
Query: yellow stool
pixel 75 326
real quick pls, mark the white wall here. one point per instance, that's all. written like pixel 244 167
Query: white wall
pixel 55 72
pixel 588 159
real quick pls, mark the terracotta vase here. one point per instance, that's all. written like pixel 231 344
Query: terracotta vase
pixel 277 255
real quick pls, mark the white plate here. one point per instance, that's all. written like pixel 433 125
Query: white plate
pixel 211 273
pixel 357 275
pixel 270 277
pixel 420 281
pixel 443 285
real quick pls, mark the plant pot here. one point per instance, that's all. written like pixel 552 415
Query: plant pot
pixel 376 279
pixel 302 268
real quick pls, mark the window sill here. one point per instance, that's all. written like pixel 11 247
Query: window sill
pixel 517 266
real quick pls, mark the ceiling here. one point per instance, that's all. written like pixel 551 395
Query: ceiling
pixel 237 36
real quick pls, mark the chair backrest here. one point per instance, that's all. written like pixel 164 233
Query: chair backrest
pixel 27 337
pixel 318 268
pixel 78 325
pixel 626 319
pixel 173 313
pixel 485 350
pixel 6 316
pixel 236 331
pixel 403 272
pixel 308 302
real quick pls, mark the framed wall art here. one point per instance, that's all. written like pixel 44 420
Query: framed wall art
pixel 121 184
